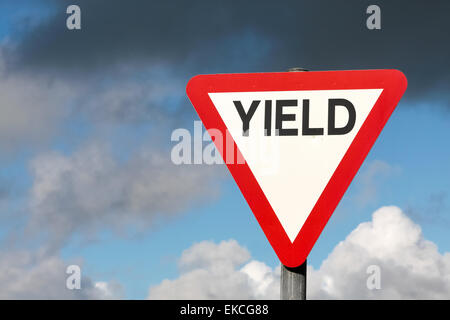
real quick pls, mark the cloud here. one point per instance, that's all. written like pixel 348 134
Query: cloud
pixel 411 267
pixel 130 63
pixel 91 190
pixel 39 108
pixel 320 35
pixel 155 98
pixel 35 275
pixel 31 107
pixel 213 271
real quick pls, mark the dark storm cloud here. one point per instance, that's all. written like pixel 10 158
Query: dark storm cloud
pixel 244 36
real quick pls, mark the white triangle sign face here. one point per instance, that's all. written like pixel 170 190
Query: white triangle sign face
pixel 302 165
pixel 303 137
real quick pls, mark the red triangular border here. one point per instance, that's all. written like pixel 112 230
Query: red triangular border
pixel 393 83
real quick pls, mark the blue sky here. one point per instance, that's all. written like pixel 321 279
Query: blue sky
pixel 129 106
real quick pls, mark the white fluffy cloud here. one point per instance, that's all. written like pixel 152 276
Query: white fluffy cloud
pixel 215 271
pixel 411 267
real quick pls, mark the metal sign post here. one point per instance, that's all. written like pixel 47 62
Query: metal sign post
pixel 293 280
pixel 293 283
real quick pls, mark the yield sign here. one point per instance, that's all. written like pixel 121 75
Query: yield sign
pixel 303 136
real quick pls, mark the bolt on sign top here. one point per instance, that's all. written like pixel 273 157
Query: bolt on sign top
pixel 317 126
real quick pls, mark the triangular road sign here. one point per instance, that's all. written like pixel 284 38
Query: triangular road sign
pixel 303 136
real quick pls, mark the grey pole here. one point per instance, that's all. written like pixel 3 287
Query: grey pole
pixel 293 283
pixel 293 280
